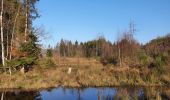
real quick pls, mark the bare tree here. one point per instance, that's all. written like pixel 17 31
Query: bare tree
pixel 26 19
pixel 59 54
pixel 119 50
pixel 132 30
pixel 2 34
pixel 7 44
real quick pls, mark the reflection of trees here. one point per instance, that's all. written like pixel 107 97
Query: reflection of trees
pixel 74 91
pixel 79 91
pixel 129 94
pixel 157 93
pixel 120 93
pixel 106 93
pixel 17 95
pixel 2 96
pixel 79 94
pixel 148 93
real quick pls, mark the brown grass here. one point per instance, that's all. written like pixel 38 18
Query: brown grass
pixel 94 74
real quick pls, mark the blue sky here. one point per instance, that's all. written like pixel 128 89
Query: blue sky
pixel 83 20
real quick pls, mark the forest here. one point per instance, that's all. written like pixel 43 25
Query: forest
pixel 99 62
pixel 18 38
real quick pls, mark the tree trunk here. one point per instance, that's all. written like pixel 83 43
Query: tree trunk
pixel 119 55
pixel 2 37
pixel 7 45
pixel 96 48
pixel 78 56
pixel 26 21
pixel 12 35
pixel 59 56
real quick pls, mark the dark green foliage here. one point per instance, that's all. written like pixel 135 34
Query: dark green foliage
pixel 160 64
pixel 90 48
pixel 62 48
pixel 165 57
pixel 49 53
pixel 87 49
pixel 31 50
pixel 144 58
pixel 30 47
pixel 49 63
pixel 17 63
pixel 46 63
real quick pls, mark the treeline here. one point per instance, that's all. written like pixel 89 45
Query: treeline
pixel 18 36
pixel 119 52
pixel 100 48
pixel 126 51
pixel 92 48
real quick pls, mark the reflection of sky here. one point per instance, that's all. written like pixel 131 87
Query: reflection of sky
pixel 75 94
pixel 132 93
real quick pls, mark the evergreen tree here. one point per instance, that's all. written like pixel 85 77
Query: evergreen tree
pixel 49 53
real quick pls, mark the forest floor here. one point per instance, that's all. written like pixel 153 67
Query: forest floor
pixel 91 74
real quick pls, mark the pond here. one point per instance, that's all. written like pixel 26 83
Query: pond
pixel 90 93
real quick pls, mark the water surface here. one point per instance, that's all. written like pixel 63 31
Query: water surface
pixel 90 93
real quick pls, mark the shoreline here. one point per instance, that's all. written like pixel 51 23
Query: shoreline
pixel 81 87
pixel 93 76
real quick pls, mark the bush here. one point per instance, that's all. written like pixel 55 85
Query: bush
pixel 108 60
pixel 165 57
pixel 49 53
pixel 160 64
pixel 144 58
pixel 18 63
pixel 49 63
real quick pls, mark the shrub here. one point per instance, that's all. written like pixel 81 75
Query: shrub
pixel 108 60
pixel 18 63
pixel 144 58
pixel 165 57
pixel 159 64
pixel 49 63
pixel 49 53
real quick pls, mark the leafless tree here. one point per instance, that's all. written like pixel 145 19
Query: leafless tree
pixel 2 34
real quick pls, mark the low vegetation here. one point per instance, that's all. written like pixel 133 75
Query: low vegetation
pixel 87 73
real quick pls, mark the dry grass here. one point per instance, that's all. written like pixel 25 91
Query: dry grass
pixel 88 75
pixel 77 61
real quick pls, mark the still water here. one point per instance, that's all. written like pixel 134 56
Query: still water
pixel 107 93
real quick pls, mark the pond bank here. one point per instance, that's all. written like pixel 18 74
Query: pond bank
pixel 40 78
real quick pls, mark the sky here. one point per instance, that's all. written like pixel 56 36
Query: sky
pixel 84 20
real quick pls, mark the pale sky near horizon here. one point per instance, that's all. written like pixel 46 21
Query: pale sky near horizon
pixel 82 20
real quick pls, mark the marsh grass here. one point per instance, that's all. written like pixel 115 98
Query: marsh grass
pixel 93 74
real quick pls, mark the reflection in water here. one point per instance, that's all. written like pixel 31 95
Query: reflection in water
pixel 2 96
pixel 117 93
pixel 19 95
